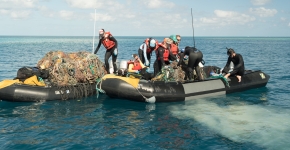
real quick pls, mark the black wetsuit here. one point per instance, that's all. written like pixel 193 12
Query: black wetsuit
pixel 159 62
pixel 239 67
pixel 109 53
pixel 194 58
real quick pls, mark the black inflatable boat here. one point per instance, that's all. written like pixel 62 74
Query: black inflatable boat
pixel 29 93
pixel 161 91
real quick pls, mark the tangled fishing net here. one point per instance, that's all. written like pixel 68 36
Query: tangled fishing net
pixel 72 68
pixel 171 73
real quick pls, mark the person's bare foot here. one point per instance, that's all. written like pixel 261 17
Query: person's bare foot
pixel 226 75
pixel 239 78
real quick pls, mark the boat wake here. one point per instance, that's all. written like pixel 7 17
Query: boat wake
pixel 266 126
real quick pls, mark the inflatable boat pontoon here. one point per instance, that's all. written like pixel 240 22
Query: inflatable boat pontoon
pixel 161 91
pixel 29 93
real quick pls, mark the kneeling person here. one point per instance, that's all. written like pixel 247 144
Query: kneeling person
pixel 239 67
pixel 136 66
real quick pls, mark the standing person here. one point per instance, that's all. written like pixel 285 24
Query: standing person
pixel 239 67
pixel 163 54
pixel 111 44
pixel 146 49
pixel 194 58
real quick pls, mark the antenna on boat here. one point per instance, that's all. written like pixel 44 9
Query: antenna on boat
pixel 94 33
pixel 192 28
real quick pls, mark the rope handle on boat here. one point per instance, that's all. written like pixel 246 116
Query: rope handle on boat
pixel 141 94
pixel 149 100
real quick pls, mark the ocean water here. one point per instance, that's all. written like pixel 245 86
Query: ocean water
pixel 253 119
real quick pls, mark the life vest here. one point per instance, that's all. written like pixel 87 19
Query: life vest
pixel 34 81
pixel 149 50
pixel 165 53
pixel 137 65
pixel 108 44
pixel 174 49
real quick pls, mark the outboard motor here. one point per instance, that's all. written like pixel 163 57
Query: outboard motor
pixel 122 71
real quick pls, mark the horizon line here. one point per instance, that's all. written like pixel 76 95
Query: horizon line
pixel 133 36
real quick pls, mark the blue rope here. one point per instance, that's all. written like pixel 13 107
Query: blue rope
pixel 99 90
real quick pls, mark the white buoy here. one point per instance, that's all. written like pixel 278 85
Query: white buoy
pixel 151 99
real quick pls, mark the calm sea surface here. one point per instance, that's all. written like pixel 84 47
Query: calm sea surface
pixel 254 119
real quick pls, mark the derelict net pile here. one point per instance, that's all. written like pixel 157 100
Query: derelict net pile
pixel 66 69
pixel 171 73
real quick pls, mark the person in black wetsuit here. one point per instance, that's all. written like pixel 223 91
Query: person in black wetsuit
pixel 111 44
pixel 239 67
pixel 194 58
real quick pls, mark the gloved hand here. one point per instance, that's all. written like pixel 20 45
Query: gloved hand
pixel 115 51
pixel 147 63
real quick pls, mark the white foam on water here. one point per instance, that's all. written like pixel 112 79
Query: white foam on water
pixel 265 126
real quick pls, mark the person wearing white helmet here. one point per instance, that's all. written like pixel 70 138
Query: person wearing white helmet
pixel 146 49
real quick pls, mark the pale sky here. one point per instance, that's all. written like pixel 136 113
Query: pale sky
pixel 145 17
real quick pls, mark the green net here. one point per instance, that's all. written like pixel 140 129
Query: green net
pixel 220 76
pixel 171 72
